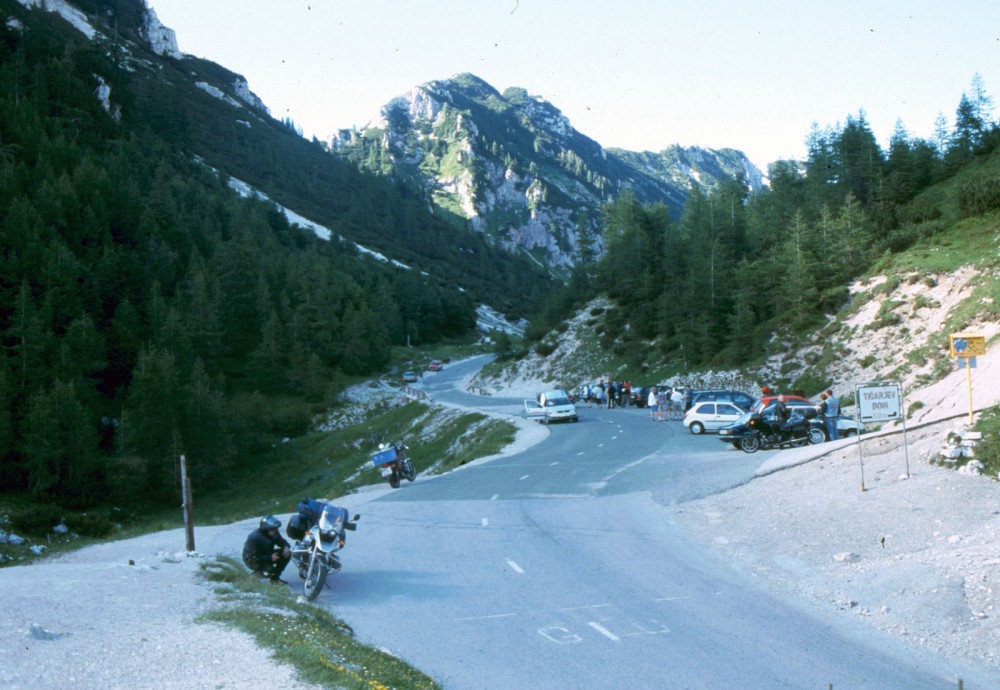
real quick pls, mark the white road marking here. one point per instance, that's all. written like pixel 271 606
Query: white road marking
pixel 589 606
pixel 604 631
pixel 515 567
pixel 486 618
pixel 525 477
pixel 553 464
pixel 486 522
pixel 494 497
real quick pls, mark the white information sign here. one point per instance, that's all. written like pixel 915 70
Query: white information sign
pixel 879 402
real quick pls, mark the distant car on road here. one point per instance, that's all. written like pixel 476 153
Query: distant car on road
pixel 435 365
pixel 409 377
pixel 711 416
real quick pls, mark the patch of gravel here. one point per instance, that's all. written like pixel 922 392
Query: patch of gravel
pixel 121 615
pixel 916 555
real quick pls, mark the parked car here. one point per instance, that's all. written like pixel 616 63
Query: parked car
pixel 846 427
pixel 738 397
pixel 711 416
pixel 409 377
pixel 640 395
pixel 551 406
pixel 435 365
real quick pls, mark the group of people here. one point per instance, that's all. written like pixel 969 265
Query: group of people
pixel 828 409
pixel 669 404
pixel 611 394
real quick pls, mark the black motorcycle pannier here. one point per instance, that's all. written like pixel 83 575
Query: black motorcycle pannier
pixel 297 526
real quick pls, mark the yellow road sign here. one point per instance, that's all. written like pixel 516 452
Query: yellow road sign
pixel 966 344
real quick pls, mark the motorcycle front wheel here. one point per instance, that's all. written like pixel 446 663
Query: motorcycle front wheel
pixel 749 443
pixel 315 578
pixel 816 436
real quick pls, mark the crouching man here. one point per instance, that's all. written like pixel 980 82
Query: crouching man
pixel 265 552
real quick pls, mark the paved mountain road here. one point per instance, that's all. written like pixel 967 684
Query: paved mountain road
pixel 554 568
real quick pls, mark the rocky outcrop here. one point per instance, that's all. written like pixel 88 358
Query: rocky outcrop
pixel 515 168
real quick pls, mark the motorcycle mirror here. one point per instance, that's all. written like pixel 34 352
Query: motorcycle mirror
pixel 357 516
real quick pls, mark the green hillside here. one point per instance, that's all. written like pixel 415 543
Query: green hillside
pixel 147 310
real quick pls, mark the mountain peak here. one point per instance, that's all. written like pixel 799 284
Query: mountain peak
pixel 512 165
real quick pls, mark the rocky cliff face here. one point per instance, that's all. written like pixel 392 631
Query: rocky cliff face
pixel 513 167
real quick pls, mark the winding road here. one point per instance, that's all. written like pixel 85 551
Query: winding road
pixel 559 567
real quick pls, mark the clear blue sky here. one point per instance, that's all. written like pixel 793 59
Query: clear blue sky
pixel 637 74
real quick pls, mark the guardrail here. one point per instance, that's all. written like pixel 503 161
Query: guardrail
pixel 411 392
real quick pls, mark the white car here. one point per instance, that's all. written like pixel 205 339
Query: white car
pixel 711 416
pixel 551 406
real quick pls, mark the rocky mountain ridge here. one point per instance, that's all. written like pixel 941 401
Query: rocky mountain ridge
pixel 512 166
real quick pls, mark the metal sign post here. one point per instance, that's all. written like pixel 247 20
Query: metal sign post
pixel 880 401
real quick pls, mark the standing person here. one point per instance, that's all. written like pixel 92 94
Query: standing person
pixel 663 399
pixel 676 403
pixel 831 415
pixel 265 551
pixel 688 398
pixel 653 405
pixel 611 394
pixel 821 408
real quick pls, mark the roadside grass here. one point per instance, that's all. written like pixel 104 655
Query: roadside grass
pixel 321 647
pixel 329 464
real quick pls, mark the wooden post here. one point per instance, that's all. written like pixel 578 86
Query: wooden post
pixel 187 505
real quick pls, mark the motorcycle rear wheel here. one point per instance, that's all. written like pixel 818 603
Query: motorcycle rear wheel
pixel 394 480
pixel 315 578
pixel 749 443
pixel 409 470
pixel 816 436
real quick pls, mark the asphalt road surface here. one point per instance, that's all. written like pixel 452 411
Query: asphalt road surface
pixel 555 568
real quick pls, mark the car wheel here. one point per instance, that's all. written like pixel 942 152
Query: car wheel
pixel 850 433
pixel 735 444
pixel 697 428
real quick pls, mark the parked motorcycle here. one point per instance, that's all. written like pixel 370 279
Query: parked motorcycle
pixel 765 435
pixel 392 462
pixel 318 531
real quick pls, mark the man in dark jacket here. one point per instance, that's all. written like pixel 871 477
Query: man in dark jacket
pixel 266 552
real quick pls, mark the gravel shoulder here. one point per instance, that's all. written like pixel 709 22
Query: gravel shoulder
pixel 915 554
pixel 122 615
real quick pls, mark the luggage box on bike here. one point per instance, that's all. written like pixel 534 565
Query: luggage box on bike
pixel 384 457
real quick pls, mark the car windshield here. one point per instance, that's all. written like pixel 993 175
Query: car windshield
pixel 553 402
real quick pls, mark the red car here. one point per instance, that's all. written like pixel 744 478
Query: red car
pixel 435 365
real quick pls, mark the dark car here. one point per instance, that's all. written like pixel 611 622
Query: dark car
pixel 738 398
pixel 640 395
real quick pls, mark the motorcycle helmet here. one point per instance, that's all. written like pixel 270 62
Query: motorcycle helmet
pixel 269 522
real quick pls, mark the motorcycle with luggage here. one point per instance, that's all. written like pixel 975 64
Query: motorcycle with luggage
pixel 766 433
pixel 393 463
pixel 318 532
